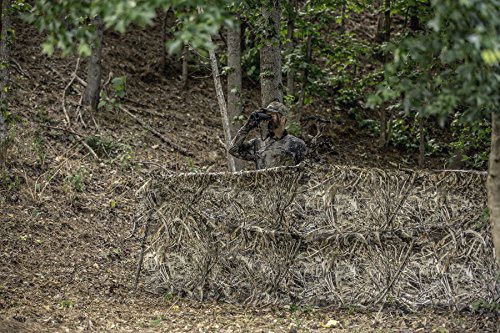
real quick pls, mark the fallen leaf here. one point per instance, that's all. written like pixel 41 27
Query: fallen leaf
pixel 331 323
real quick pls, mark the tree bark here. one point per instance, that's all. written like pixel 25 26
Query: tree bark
pixel 421 147
pixel 379 35
pixel 163 43
pixel 387 21
pixel 166 35
pixel 234 105
pixel 342 19
pixel 5 41
pixel 270 55
pixel 223 109
pixel 305 77
pixel 290 76
pixel 185 58
pixel 494 184
pixel 383 140
pixel 94 73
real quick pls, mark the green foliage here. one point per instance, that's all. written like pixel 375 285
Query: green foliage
pixel 67 304
pixel 484 220
pixel 250 58
pixel 472 140
pixel 192 167
pixel 158 320
pixel 9 182
pixel 405 134
pixel 110 99
pixel 294 128
pixel 40 146
pixel 69 28
pixel 451 65
pixel 113 151
pixel 20 6
pixel 118 84
pixel 75 182
pixel 168 297
pixel 482 305
pixel 113 203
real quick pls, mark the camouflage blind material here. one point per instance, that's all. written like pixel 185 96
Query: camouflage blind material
pixel 342 236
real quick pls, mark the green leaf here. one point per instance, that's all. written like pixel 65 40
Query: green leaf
pixel 101 104
pixel 48 48
pixel 175 46
pixel 84 49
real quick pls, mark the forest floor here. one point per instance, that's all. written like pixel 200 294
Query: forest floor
pixel 68 258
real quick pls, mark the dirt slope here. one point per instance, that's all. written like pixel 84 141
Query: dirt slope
pixel 67 252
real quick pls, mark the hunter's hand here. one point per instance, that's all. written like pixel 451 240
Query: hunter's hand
pixel 255 118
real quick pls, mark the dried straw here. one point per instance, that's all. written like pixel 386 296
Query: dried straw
pixel 348 236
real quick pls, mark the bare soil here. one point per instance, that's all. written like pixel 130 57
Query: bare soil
pixel 68 250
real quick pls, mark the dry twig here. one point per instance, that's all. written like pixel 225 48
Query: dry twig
pixel 68 121
pixel 181 150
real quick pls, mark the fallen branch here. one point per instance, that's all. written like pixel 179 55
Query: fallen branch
pixel 317 118
pixel 79 137
pixel 66 89
pixel 181 150
pixel 20 69
pixel 141 256
pixel 144 109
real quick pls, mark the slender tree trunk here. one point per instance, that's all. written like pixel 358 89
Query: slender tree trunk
pixel 306 76
pixel 185 58
pixel 494 184
pixel 387 21
pixel 163 43
pixel 5 41
pixel 223 109
pixel 342 19
pixel 379 35
pixel 290 76
pixel 166 35
pixel 270 55
pixel 94 73
pixel 415 24
pixel 421 146
pixel 234 105
pixel 383 141
pixel 383 127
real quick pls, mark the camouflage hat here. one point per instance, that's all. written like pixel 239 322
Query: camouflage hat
pixel 277 107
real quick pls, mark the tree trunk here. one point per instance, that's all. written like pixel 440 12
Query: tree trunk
pixel 94 73
pixel 383 140
pixel 234 105
pixel 305 78
pixel 379 35
pixel 163 43
pixel 223 110
pixel 342 19
pixel 387 21
pixel 185 58
pixel 5 40
pixel 166 35
pixel 421 147
pixel 290 76
pixel 270 55
pixel 494 184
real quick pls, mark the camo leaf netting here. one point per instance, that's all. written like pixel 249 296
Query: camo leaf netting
pixel 348 236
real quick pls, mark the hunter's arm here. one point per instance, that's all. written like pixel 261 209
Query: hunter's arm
pixel 241 149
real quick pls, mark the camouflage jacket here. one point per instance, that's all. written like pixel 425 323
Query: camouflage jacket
pixel 268 153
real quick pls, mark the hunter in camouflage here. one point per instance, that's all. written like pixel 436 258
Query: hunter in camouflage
pixel 276 148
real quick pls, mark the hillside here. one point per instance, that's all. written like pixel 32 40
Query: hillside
pixel 68 246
